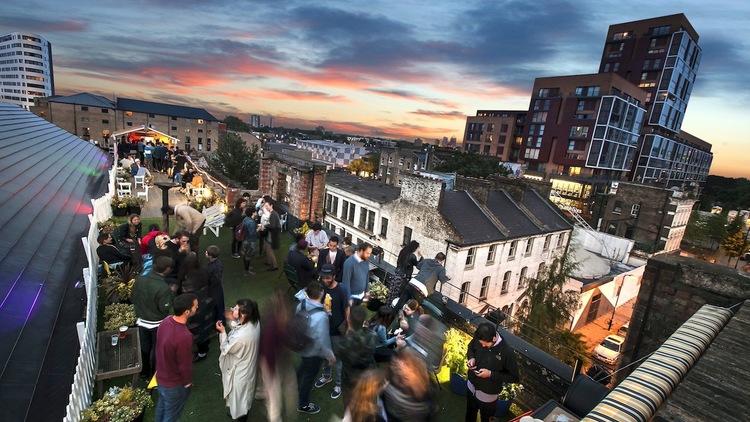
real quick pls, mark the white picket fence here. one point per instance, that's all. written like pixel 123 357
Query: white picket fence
pixel 83 380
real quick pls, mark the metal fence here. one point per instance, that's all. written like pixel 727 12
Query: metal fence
pixel 85 373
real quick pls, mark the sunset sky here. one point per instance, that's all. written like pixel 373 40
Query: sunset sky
pixel 400 69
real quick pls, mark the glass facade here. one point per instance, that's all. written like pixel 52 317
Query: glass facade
pixel 671 163
pixel 676 82
pixel 615 141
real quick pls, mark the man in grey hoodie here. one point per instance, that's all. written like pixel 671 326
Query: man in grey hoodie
pixel 313 355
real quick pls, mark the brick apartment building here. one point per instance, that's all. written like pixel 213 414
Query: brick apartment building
pixel 95 117
pixel 294 179
pixel 403 158
pixel 654 217
pixel 495 132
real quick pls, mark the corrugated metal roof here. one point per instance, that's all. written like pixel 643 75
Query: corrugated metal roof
pixel 47 178
pixel 140 106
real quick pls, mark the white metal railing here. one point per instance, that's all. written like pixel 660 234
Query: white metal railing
pixel 83 380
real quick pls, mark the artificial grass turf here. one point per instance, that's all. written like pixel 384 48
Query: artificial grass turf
pixel 206 401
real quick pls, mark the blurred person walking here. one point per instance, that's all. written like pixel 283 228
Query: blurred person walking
pixel 366 405
pixel 279 382
pixel 409 395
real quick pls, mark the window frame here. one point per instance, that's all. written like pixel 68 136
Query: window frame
pixel 464 293
pixel 471 256
pixel 491 253
pixel 506 282
pixel 512 250
pixel 485 288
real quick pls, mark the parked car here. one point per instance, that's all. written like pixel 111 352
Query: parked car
pixel 623 331
pixel 609 349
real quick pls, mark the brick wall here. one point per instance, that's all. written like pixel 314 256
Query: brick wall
pixel 296 186
pixel 672 290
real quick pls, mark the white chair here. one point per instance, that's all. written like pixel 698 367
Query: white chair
pixel 123 189
pixel 214 219
pixel 143 194
pixel 140 180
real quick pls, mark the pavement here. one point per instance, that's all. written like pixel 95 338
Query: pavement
pixel 595 331
pixel 152 207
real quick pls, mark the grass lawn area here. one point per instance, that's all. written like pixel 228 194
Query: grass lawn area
pixel 206 402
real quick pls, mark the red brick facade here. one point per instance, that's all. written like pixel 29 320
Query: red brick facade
pixel 297 183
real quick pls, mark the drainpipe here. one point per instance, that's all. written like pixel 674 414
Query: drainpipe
pixel 312 189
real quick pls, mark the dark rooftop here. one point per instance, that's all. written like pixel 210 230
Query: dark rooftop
pixel 467 219
pixel 501 218
pixel 47 180
pixel 716 388
pixel 365 188
pixel 85 99
pixel 163 109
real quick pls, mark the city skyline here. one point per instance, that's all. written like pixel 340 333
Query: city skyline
pixel 397 70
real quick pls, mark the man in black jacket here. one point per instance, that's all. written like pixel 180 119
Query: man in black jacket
pixel 491 365
pixel 302 264
pixel 334 256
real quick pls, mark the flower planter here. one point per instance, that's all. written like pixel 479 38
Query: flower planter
pixel 458 384
pixel 119 212
pixel 134 210
pixel 374 304
pixel 502 408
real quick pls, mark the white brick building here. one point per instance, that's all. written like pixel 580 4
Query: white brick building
pixel 491 246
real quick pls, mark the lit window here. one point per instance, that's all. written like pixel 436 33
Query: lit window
pixel 200 121
pixel 635 209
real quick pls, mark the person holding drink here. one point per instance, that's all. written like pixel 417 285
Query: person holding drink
pixel 238 360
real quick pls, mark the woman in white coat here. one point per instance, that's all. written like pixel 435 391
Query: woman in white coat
pixel 238 360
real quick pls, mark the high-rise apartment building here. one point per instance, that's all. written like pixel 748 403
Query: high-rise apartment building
pixel 25 68
pixel 255 120
pixel 662 56
pixel 495 132
pixel 582 133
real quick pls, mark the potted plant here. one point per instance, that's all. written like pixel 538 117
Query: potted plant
pixel 505 398
pixel 134 204
pixel 117 315
pixel 119 206
pixel 108 226
pixel 378 296
pixel 455 348
pixel 119 404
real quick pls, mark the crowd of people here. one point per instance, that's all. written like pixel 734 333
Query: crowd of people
pixel 378 364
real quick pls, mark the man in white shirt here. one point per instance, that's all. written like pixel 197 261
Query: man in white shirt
pixel 334 256
pixel 317 238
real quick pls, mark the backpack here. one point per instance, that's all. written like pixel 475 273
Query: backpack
pixel 298 329
pixel 240 232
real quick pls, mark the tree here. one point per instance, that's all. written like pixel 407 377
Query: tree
pixel 735 242
pixel 367 165
pixel 472 165
pixel 236 161
pixel 547 311
pixel 706 231
pixel 236 124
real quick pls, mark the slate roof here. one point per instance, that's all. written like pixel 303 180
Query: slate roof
pixel 85 99
pixel 47 180
pixel 502 217
pixel 530 216
pixel 140 106
pixel 469 220
pixel 365 188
